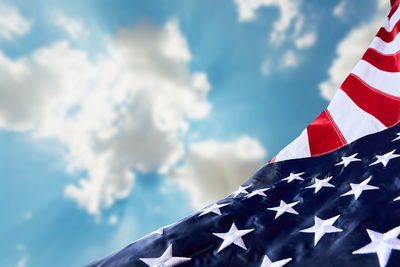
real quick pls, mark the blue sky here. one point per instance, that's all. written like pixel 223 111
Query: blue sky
pixel 119 117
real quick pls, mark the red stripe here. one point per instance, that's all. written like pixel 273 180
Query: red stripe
pixel 323 135
pixel 390 63
pixel 339 133
pixel 383 33
pixel 393 9
pixel 389 36
pixel 384 107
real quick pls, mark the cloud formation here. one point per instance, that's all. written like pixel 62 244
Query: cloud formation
pixel 340 10
pixel 306 41
pixel 113 219
pixel 12 23
pixel 350 50
pixel 291 27
pixel 127 109
pixel 74 27
pixel 290 59
pixel 214 169
pixel 289 13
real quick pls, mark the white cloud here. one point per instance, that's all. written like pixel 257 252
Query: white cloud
pixel 350 50
pixel 12 24
pixel 289 14
pixel 73 27
pixel 306 41
pixel 113 219
pixel 340 9
pixel 127 109
pixel 214 169
pixel 291 27
pixel 290 59
pixel 384 5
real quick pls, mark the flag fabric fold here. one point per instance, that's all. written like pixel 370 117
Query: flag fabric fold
pixel 369 98
pixel 330 198
pixel 332 210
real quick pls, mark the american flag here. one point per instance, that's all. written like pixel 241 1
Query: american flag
pixel 330 198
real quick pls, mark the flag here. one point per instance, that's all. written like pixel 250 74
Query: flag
pixel 330 198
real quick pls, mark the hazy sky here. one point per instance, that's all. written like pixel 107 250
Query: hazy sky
pixel 119 117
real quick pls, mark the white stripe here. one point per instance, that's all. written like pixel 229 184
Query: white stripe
pixel 386 48
pixel 389 24
pixel 299 148
pixel 352 121
pixel 387 82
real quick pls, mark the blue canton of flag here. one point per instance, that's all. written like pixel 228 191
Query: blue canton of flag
pixel 339 209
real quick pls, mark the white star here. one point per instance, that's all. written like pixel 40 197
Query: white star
pixel 397 198
pixel 283 207
pixel 397 138
pixel 240 190
pixel 166 259
pixel 321 227
pixel 233 236
pixel 381 244
pixel 321 183
pixel 259 192
pixel 356 189
pixel 268 263
pixel 384 159
pixel 213 208
pixel 347 160
pixel 293 176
